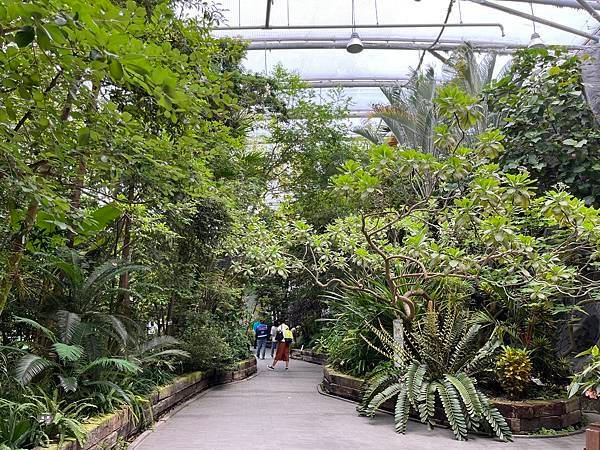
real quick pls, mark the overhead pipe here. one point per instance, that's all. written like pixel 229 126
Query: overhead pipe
pixel 533 18
pixel 559 3
pixel 498 48
pixel 349 27
pixel 394 40
pixel 585 5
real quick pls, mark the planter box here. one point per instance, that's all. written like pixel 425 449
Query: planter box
pixel 522 416
pixel 531 415
pixel 308 356
pixel 104 431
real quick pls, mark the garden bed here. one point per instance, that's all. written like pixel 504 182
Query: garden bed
pixel 522 416
pixel 308 356
pixel 105 432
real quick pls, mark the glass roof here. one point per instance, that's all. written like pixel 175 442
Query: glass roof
pixel 319 56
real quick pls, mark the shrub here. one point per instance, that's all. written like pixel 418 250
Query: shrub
pixel 513 369
pixel 212 345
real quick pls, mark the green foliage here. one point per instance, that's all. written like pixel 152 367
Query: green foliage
pixel 587 381
pixel 513 369
pixel 211 345
pixel 39 419
pixel 548 126
pixel 92 354
pixel 347 327
pixel 439 360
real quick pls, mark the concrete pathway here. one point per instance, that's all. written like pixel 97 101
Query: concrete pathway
pixel 282 409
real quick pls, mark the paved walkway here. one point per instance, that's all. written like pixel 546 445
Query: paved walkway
pixel 284 410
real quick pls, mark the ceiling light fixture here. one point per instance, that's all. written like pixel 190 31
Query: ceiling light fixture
pixel 535 41
pixel 354 45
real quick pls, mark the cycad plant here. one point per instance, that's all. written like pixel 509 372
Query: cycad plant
pixel 437 363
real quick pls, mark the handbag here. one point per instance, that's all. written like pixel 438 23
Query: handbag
pixel 279 336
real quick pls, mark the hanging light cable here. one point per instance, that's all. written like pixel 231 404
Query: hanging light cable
pixel 354 45
pixel 535 41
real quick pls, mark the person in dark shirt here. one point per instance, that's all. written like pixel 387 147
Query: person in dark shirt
pixel 262 334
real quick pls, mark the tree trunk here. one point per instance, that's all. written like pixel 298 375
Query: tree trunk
pixel 126 254
pixel 17 248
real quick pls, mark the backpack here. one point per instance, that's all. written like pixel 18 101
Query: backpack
pixel 288 336
pixel 279 336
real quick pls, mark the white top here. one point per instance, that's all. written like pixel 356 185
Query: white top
pixel 273 332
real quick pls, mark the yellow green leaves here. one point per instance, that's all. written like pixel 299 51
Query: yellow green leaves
pixel 513 369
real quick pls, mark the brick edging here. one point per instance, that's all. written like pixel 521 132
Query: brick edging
pixel 104 431
pixel 522 416
pixel 308 356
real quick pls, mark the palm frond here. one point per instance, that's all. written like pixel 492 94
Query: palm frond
pixel 30 366
pixel 67 324
pixel 36 326
pixel 67 352
pixel 118 364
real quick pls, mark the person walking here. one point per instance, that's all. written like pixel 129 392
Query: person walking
pixel 262 334
pixel 284 338
pixel 254 327
pixel 273 334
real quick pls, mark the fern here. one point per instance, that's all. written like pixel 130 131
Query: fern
pixel 67 352
pixel 67 324
pixel 467 399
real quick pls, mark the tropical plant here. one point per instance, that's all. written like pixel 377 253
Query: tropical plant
pixel 40 418
pixel 437 363
pixel 587 381
pixel 347 326
pixel 89 353
pixel 548 125
pixel 412 115
pixel 513 369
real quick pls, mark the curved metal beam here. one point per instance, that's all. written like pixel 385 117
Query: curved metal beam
pixel 559 3
pixel 373 26
pixel 324 45
pixel 549 23
pixel 585 5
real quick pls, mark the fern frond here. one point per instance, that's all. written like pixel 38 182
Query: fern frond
pixel 467 400
pixel 383 396
pixel 426 402
pixel 464 346
pixel 67 352
pixel 36 326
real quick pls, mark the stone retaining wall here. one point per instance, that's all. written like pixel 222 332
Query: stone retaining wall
pixel 105 431
pixel 522 417
pixel 308 356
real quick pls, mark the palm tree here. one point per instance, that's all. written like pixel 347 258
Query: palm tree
pixel 411 115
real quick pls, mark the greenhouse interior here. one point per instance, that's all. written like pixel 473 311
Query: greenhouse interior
pixel 342 224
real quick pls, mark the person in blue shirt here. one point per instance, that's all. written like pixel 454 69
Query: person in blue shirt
pixel 254 327
pixel 262 334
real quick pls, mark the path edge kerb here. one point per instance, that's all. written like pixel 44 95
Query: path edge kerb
pixel 104 432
